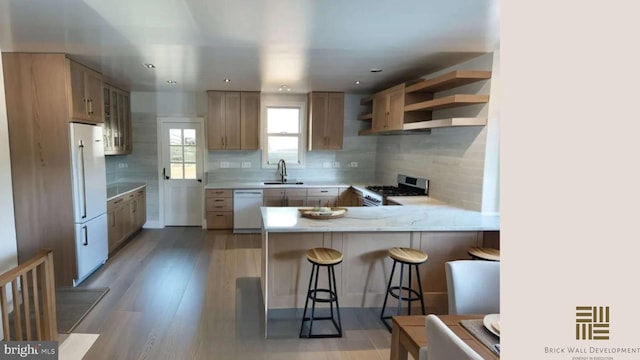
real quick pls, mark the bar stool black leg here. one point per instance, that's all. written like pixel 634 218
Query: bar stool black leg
pixel 335 289
pixel 313 301
pixel 410 286
pixel 420 289
pixel 306 303
pixel 386 296
pixel 400 290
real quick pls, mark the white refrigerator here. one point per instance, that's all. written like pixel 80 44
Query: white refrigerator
pixel 88 174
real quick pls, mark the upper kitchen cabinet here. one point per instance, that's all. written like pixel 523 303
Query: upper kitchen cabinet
pixel 117 121
pixel 250 120
pixel 233 120
pixel 85 98
pixel 326 120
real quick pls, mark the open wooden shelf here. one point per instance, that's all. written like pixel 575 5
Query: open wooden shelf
pixel 448 81
pixel 451 122
pixel 366 117
pixel 448 102
pixel 366 100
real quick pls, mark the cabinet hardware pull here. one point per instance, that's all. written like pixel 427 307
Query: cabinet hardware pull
pixel 222 140
pixel 85 241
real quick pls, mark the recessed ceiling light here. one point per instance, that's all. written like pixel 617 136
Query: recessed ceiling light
pixel 357 82
pixel 172 82
pixel 374 70
pixel 227 80
pixel 149 66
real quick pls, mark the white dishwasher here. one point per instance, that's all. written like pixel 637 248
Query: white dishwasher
pixel 246 211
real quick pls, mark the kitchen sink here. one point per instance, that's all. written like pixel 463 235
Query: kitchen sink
pixel 283 183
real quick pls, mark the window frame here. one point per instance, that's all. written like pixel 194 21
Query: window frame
pixel 302 130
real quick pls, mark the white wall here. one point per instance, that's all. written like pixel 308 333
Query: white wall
pixel 8 246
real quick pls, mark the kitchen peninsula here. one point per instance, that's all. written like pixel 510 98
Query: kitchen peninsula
pixel 364 236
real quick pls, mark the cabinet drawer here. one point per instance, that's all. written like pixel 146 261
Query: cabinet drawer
pixel 219 204
pixel 322 192
pixel 219 220
pixel 274 192
pixel 328 201
pixel 222 193
pixel 115 202
pixel 296 192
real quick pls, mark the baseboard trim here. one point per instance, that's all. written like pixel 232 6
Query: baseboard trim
pixel 153 225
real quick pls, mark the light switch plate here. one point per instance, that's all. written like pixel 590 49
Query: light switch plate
pixel 353 164
pixel 246 164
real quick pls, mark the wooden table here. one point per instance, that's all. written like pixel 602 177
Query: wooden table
pixel 409 335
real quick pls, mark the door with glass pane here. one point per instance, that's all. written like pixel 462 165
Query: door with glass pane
pixel 182 171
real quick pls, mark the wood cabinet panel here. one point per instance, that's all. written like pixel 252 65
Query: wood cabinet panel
pixel 328 201
pixel 219 208
pixel 250 120
pixel 38 115
pixel 289 273
pixel 233 120
pixel 127 214
pixel 219 220
pixel 219 204
pixel 216 120
pixel 85 96
pixel 326 120
pixel 219 193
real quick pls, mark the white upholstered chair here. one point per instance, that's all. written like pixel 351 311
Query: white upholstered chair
pixel 444 344
pixel 473 286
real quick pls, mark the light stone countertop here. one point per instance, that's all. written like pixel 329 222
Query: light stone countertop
pixel 117 189
pixel 415 200
pixel 259 184
pixel 382 218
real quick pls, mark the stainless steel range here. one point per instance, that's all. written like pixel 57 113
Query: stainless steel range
pixel 376 195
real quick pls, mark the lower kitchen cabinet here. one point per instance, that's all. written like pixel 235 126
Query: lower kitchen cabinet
pixel 126 214
pixel 219 204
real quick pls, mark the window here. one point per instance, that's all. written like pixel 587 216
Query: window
pixel 284 134
pixel 182 144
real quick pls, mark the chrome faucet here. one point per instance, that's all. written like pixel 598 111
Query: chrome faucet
pixel 282 170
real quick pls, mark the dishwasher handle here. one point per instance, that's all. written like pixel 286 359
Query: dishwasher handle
pixel 248 192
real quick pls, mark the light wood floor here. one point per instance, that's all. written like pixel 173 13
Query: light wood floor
pixel 187 293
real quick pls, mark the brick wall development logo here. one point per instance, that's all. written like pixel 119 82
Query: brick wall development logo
pixel 592 323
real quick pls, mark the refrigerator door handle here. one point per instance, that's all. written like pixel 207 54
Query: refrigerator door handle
pixel 84 181
pixel 85 241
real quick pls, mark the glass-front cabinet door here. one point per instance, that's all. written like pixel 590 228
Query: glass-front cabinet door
pixel 117 127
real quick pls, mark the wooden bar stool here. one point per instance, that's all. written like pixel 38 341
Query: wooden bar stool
pixel 322 257
pixel 409 257
pixel 480 253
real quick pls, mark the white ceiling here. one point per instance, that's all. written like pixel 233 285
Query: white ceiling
pixel 321 45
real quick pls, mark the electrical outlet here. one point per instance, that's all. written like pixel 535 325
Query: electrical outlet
pixel 336 164
pixel 224 164
pixel 326 165
pixel 122 165
pixel 353 164
pixel 246 164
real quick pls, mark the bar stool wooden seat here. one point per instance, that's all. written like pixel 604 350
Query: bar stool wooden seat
pixel 408 257
pixel 322 257
pixel 482 253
